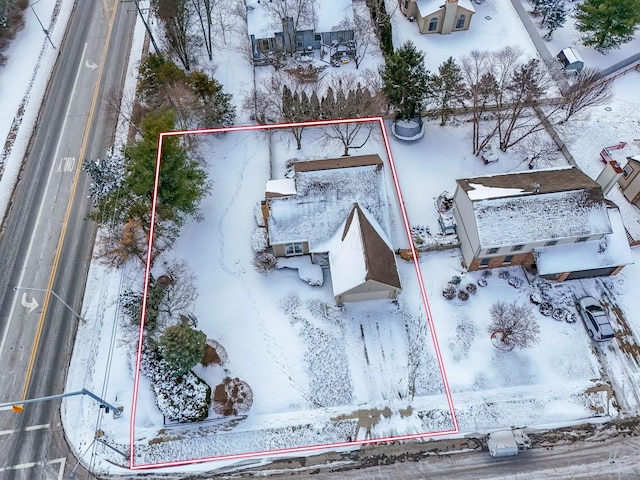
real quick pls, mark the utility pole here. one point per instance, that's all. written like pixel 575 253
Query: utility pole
pixel 146 25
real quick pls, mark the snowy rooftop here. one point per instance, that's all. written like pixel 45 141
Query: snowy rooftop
pixel 359 252
pixel 324 199
pixel 521 208
pixel 327 14
pixel 280 187
pixel 429 6
pixel 541 217
pixel 586 255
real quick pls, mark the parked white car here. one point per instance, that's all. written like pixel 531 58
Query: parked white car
pixel 595 319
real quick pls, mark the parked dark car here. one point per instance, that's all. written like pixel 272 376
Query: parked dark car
pixel 595 319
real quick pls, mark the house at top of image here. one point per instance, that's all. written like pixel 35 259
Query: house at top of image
pixel 317 24
pixel 438 16
pixel 556 222
pixel 336 211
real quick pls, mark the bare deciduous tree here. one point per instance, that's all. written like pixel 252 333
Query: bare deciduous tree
pixel 513 325
pixel 204 11
pixel 342 102
pixel 505 96
pixel 589 90
pixel 538 151
pixel 176 18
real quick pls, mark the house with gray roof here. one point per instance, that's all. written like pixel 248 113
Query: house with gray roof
pixel 336 211
pixel 305 27
pixel 554 221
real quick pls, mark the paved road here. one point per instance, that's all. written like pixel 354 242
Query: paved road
pixel 46 244
pixel 598 459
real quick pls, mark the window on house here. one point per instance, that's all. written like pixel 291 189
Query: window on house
pixel 551 243
pixel 507 259
pixel 433 24
pixel 406 4
pixel 582 239
pixel 293 249
pixel 317 37
pixel 492 251
pixel 460 22
pixel 484 262
pixel 299 43
pixel 517 248
pixel 628 169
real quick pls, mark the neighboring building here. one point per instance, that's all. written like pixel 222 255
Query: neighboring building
pixel 329 25
pixel 336 211
pixel 434 16
pixel 554 221
pixel 629 181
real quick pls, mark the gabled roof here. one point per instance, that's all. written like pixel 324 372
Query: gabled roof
pixel 361 252
pixel 428 7
pixel 522 208
pixel 327 14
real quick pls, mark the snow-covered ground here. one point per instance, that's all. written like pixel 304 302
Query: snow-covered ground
pixel 23 81
pixel 320 374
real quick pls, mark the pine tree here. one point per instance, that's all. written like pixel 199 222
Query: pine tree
pixel 106 174
pixel 181 347
pixel 607 24
pixel 555 16
pixel 405 81
pixel 447 87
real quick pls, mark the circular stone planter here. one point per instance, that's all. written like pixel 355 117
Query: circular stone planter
pixel 408 130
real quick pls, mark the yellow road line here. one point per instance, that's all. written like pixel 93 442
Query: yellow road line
pixel 63 233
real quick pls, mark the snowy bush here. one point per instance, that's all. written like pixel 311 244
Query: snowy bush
pixel 257 214
pixel 455 280
pixel 232 397
pixel 535 298
pixel 515 282
pixel 546 309
pixel 487 273
pixel 264 262
pixel 290 304
pixel 571 317
pixel 259 239
pixel 504 274
pixel 449 292
pixel 462 295
pixel 482 282
pixel 471 288
pixel 559 314
pixel 183 399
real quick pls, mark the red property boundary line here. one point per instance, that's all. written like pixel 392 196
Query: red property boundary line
pixel 423 294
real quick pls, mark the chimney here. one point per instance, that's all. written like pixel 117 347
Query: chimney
pixel 450 10
pixel 609 176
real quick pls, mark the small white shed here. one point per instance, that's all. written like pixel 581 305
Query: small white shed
pixel 570 60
